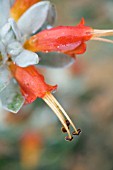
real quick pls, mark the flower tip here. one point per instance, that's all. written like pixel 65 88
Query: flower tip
pixel 82 21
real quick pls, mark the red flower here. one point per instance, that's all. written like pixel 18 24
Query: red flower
pixel 32 85
pixel 66 39
pixel 31 82
pixel 30 149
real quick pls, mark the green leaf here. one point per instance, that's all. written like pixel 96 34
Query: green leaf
pixel 55 60
pixel 5 77
pixel 36 16
pixel 11 2
pixel 26 58
pixel 11 98
pixel 4 12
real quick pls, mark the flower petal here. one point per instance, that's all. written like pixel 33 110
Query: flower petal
pixel 11 98
pixel 55 60
pixel 5 77
pixel 35 17
pixel 4 11
pixel 26 58
pixel 20 6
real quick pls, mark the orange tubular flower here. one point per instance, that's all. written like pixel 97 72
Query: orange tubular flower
pixel 66 39
pixel 32 85
pixel 20 6
pixel 31 145
pixel 31 82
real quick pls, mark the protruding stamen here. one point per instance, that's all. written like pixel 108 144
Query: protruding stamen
pixel 65 114
pixel 97 34
pixel 102 39
pixel 50 100
pixel 102 33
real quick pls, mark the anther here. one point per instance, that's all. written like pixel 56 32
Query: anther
pixel 63 129
pixel 67 122
pixel 77 133
pixel 68 139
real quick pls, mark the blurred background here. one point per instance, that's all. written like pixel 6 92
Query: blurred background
pixel 32 139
